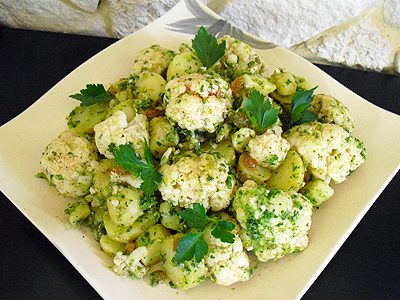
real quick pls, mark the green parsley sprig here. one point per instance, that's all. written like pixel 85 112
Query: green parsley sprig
pixel 207 47
pixel 94 93
pixel 260 111
pixel 299 111
pixel 193 243
pixel 126 157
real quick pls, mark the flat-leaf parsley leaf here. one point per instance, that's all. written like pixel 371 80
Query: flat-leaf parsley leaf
pixel 195 217
pixel 126 157
pixel 93 93
pixel 299 111
pixel 260 111
pixel 207 47
pixel 193 243
pixel 223 230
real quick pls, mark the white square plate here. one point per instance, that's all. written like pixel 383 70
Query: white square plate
pixel 31 131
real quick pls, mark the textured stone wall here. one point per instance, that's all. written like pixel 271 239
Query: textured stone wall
pixel 358 33
pixel 112 18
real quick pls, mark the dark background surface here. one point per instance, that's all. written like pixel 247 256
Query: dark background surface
pixel 366 267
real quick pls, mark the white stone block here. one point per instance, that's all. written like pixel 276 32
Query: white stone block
pixel 391 13
pixel 54 15
pixel 335 30
pixel 361 44
pixel 127 16
pixel 289 22
pixel 86 5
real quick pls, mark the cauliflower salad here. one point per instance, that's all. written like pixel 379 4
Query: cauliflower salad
pixel 198 158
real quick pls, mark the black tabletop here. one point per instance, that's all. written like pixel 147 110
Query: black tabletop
pixel 366 267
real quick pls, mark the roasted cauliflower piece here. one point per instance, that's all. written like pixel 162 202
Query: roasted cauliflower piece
pixel 269 149
pixel 152 59
pixel 198 102
pixel 132 264
pixel 116 130
pixel 327 150
pixel 241 138
pixel 239 58
pixel 274 223
pixel 200 179
pixel 69 162
pixel 227 263
pixel 331 110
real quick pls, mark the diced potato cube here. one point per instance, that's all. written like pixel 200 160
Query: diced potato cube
pixel 317 191
pixel 290 174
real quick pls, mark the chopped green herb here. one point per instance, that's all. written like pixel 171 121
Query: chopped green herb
pixel 41 175
pixel 148 202
pixel 156 277
pixel 272 159
pixel 229 182
pixel 71 207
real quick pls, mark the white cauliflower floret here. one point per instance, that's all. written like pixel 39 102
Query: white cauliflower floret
pixel 326 149
pixel 152 59
pixel 239 58
pixel 132 264
pixel 198 179
pixel 274 222
pixel 198 102
pixel 227 263
pixel 269 149
pixel 116 130
pixel 241 138
pixel 69 162
pixel 331 110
